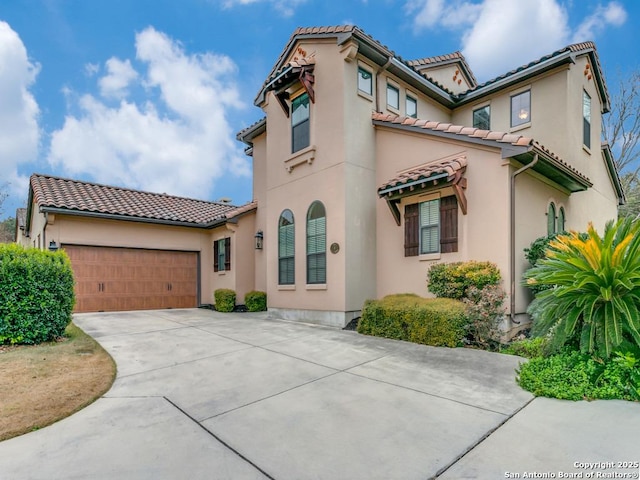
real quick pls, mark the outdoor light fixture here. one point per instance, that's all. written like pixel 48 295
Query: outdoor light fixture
pixel 53 246
pixel 259 238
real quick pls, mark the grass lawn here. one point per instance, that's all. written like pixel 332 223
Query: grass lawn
pixel 44 383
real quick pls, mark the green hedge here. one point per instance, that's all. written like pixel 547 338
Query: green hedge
pixel 430 321
pixel 452 280
pixel 256 301
pixel 36 294
pixel 225 299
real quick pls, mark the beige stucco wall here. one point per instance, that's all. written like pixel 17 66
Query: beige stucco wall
pixel 483 234
pixel 450 76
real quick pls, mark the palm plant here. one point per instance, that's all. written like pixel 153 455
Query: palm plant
pixel 595 297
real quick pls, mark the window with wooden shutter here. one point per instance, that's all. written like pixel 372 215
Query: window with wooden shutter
pixel 411 230
pixel 227 253
pixel 448 224
pixel 216 254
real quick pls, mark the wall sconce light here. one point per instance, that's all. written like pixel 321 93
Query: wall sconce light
pixel 259 237
pixel 53 246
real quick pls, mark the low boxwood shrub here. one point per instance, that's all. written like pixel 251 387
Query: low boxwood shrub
pixel 430 321
pixel 225 299
pixel 36 294
pixel 256 301
pixel 452 280
pixel 528 348
pixel 571 375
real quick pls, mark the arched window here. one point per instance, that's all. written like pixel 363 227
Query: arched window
pixel 316 244
pixel 561 220
pixel 286 249
pixel 551 219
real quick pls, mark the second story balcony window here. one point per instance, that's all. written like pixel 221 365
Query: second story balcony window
pixel 521 109
pixel 300 113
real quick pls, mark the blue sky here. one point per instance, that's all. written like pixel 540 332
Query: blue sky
pixel 149 94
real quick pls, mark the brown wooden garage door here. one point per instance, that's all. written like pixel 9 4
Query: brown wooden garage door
pixel 116 279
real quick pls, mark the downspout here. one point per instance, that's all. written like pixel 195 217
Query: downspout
pixel 512 237
pixel 44 230
pixel 380 70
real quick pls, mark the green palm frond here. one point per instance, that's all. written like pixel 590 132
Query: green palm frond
pixel 596 288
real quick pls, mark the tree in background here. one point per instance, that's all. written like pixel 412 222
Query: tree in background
pixel 621 130
pixel 7 230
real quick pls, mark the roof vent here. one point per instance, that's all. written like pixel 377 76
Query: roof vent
pixel 225 200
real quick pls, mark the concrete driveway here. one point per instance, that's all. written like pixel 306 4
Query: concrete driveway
pixel 205 395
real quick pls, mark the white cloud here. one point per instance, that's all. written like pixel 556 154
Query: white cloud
pixel 179 144
pixel 508 34
pixel 438 12
pixel 91 69
pixel 119 75
pixel 611 14
pixel 500 35
pixel 284 7
pixel 19 112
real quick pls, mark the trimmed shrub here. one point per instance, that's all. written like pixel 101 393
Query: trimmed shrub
pixel 571 375
pixel 256 301
pixel 36 294
pixel 225 299
pixel 527 348
pixel 484 312
pixel 430 321
pixel 452 280
pixel 538 251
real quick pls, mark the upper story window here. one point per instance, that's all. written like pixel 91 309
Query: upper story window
pixel 521 108
pixel 551 219
pixel 393 97
pixel 222 255
pixel 482 118
pixel 365 81
pixel 286 249
pixel 300 111
pixel 316 244
pixel 411 107
pixel 586 119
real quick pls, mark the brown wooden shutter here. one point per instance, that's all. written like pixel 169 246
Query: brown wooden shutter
pixel 227 253
pixel 448 224
pixel 215 256
pixel 411 230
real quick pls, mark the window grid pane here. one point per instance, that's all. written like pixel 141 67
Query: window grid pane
pixel 551 219
pixel 393 97
pixel 286 249
pixel 412 107
pixel 482 118
pixel 221 255
pixel 316 244
pixel 586 115
pixel 430 227
pixel 521 109
pixel 365 81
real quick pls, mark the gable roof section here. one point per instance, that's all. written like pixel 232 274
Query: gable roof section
pixel 613 173
pixel 367 46
pixel 424 64
pixel 74 197
pixel 541 65
pixel 518 147
pixel 445 169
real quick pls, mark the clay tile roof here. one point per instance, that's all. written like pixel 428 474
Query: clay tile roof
pixel 423 172
pixel 79 196
pixel 476 133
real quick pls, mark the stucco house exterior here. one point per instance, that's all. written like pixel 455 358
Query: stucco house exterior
pixel 369 168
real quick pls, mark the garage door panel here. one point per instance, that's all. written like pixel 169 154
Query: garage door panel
pixel 113 279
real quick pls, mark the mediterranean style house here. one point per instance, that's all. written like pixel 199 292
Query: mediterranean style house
pixel 367 170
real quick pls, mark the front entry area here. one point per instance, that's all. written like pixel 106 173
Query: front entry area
pixel 119 279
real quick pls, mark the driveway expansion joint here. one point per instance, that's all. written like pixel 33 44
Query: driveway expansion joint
pixel 216 437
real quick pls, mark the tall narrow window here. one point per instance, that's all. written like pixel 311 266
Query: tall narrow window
pixel 393 97
pixel 222 255
pixel 286 249
pixel 411 107
pixel 551 219
pixel 521 108
pixel 482 118
pixel 300 122
pixel 430 226
pixel 316 244
pixel 561 220
pixel 365 81
pixel 586 119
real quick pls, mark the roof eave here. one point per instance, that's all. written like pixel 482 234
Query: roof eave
pixel 113 216
pixel 613 173
pixel 248 134
pixel 527 73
